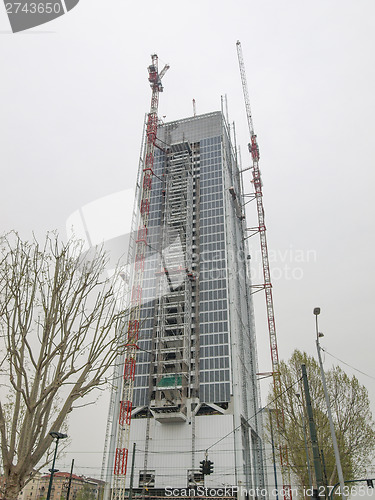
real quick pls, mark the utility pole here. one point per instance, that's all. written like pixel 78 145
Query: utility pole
pixel 313 435
pixel 70 480
pixel 324 468
pixel 305 438
pixel 132 474
pixel 273 453
pixel 316 312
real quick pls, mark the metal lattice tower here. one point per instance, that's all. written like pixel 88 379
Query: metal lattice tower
pixel 267 285
pixel 133 326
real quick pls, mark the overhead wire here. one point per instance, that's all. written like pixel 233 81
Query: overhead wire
pixel 256 413
pixel 236 428
pixel 347 364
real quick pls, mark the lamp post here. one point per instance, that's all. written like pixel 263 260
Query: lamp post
pixel 316 312
pixel 305 439
pixel 57 436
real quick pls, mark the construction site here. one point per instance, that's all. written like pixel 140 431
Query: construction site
pixel 185 413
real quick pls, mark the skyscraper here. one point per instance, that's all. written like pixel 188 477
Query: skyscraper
pixel 195 389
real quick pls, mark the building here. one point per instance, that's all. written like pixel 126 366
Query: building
pixel 81 488
pixel 31 489
pixel 195 385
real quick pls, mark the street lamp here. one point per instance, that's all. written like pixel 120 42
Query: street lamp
pixel 57 436
pixel 316 312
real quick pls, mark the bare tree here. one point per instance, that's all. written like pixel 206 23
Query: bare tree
pixel 60 327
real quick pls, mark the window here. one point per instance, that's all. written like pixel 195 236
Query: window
pixel 146 478
pixel 195 477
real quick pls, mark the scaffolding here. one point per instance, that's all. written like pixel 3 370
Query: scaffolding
pixel 173 318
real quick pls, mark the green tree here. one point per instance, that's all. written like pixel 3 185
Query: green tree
pixel 352 416
pixel 60 318
pixel 87 492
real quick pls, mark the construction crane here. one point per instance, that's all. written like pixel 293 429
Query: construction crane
pixel 267 285
pixel 125 410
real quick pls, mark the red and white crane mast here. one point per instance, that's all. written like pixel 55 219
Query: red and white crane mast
pixel 123 432
pixel 267 285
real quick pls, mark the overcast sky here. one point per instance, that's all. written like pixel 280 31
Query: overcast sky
pixel 73 97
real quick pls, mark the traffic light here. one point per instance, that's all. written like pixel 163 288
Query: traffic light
pixel 370 483
pixel 209 466
pixel 206 467
pixel 202 467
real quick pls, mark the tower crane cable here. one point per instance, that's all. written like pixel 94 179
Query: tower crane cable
pixel 267 285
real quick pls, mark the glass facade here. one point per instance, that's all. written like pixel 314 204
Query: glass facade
pixel 210 331
pixel 214 366
pixel 195 371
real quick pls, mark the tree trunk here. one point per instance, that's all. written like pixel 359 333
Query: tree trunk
pixel 333 477
pixel 13 485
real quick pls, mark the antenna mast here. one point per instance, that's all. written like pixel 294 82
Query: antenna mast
pixel 267 285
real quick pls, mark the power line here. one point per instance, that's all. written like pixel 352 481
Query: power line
pixel 347 364
pixel 233 430
pixel 256 413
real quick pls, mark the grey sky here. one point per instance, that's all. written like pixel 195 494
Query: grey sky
pixel 73 97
